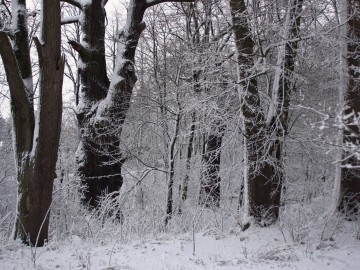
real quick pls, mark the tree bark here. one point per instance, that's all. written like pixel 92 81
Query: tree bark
pixel 99 162
pixel 265 136
pixel 36 138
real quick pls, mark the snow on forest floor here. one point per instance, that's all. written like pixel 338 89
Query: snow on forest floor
pixel 256 248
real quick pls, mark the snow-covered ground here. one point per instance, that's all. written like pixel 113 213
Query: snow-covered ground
pixel 256 248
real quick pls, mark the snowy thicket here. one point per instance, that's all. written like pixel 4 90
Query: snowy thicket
pixel 182 142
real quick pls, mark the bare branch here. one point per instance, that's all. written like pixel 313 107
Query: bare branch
pixel 79 48
pixel 39 48
pixel 6 7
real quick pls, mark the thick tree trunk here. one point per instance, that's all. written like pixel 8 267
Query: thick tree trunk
pixel 36 140
pixel 350 182
pixel 38 172
pixel 98 155
pixel 100 119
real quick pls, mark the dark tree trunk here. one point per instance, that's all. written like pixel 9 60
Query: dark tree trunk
pixel 36 139
pixel 171 172
pixel 99 159
pixel 350 182
pixel 260 172
pixel 210 181
pixel 189 154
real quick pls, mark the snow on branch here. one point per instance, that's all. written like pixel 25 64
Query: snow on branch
pixel 149 3
pixel 75 3
pixel 69 20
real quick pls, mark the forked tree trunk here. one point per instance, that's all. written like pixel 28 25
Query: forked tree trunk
pixel 102 105
pixel 98 155
pixel 36 137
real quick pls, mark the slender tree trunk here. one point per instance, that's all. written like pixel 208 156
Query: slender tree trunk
pixel 189 154
pixel 171 173
pixel 201 41
pixel 278 124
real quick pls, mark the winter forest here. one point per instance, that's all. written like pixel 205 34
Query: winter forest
pixel 180 134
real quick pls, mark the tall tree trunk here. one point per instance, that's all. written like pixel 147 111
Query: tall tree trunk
pixel 259 169
pixel 350 175
pixel 278 117
pixel 264 162
pixel 102 104
pixel 171 172
pixel 98 155
pixel 36 138
pixel 189 154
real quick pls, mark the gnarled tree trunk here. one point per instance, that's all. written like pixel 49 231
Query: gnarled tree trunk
pixel 103 104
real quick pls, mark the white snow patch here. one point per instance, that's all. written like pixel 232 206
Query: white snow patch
pixel 256 248
pixel 36 135
pixel 16 8
pixel 85 2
